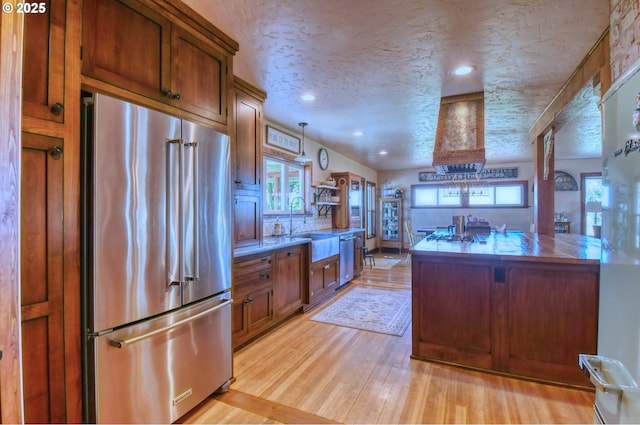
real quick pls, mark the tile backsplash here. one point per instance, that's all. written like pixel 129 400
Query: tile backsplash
pixel 300 225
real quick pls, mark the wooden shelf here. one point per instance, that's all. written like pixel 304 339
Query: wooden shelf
pixel 324 186
pixel 323 207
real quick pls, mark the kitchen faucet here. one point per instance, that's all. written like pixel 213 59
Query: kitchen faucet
pixel 304 219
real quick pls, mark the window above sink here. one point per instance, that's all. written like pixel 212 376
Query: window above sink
pixel 285 180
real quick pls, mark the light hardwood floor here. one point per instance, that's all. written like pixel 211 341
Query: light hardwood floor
pixel 311 372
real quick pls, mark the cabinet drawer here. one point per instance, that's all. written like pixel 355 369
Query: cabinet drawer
pixel 256 269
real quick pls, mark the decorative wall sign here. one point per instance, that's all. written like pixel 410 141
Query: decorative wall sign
pixel 282 140
pixel 487 173
pixel 564 181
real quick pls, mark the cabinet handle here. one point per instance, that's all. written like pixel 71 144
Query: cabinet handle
pixel 57 108
pixel 291 253
pixel 248 301
pixel 176 96
pixel 327 266
pixel 264 275
pixel 266 260
pixel 238 181
pixel 56 152
pixel 167 93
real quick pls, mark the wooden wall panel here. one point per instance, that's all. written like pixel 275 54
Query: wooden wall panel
pixel 11 31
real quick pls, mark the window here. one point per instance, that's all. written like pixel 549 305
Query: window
pixel 370 200
pixel 511 194
pixel 592 197
pixel 284 182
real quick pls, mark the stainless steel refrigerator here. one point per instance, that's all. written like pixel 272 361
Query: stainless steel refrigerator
pixel 615 371
pixel 157 257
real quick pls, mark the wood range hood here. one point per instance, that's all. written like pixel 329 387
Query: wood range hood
pixel 459 146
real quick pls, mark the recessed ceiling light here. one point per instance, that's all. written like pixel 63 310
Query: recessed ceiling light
pixel 382 152
pixel 308 97
pixel 358 133
pixel 464 70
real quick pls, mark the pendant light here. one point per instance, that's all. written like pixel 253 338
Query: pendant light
pixel 303 158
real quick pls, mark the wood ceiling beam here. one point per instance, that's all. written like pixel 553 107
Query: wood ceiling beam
pixel 595 66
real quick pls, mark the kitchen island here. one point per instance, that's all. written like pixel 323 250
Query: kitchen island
pixel 521 304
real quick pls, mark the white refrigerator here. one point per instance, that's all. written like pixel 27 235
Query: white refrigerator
pixel 615 371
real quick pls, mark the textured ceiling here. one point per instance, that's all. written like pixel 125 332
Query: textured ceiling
pixel 381 66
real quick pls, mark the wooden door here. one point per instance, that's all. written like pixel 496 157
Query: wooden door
pixel 43 62
pixel 198 76
pixel 41 268
pixel 128 45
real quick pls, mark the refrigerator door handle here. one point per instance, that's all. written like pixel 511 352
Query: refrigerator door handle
pixel 123 343
pixel 192 239
pixel 607 375
pixel 174 225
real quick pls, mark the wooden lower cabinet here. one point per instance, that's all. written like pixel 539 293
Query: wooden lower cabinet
pixel 323 278
pixel 252 310
pixel 528 319
pixel 267 288
pixel 553 316
pixel 290 292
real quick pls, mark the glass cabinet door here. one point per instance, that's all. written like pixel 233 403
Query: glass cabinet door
pixel 390 220
pixel 355 202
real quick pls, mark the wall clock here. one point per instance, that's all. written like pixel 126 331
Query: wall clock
pixel 323 158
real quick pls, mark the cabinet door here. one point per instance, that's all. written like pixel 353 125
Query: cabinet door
pixel 546 333
pixel 41 280
pixel 248 161
pixel 355 202
pixel 323 278
pixel 330 274
pixel 316 282
pixel 252 311
pixel 289 292
pixel 128 45
pixel 340 215
pixel 455 323
pixel 43 63
pixel 260 308
pixel 198 76
pixel 247 219
pixel 239 325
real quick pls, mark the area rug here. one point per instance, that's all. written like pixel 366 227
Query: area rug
pixel 386 311
pixel 385 263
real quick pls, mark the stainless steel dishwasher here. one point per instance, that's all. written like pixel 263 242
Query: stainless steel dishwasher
pixel 346 258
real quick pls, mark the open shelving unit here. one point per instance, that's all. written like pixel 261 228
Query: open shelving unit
pixel 324 192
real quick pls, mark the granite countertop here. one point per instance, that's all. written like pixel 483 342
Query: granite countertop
pixel 522 246
pixel 271 243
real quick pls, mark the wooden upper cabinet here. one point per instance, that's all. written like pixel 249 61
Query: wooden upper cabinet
pixel 198 76
pixel 249 102
pixel 43 63
pixel 144 50
pixel 126 44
